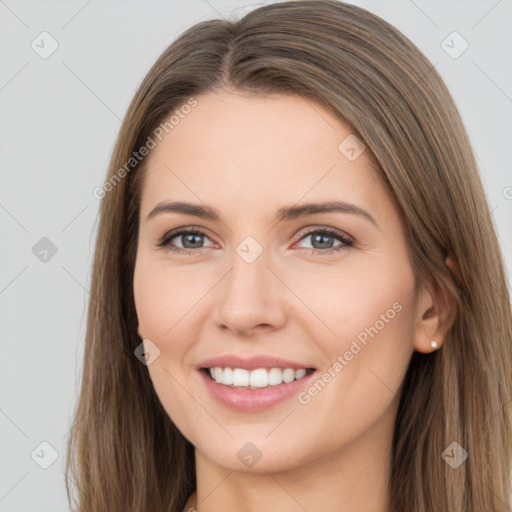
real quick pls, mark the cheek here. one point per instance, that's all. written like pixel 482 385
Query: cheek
pixel 164 303
pixel 365 365
pixel 150 303
pixel 379 318
pixel 164 295
pixel 345 300
pixel 366 318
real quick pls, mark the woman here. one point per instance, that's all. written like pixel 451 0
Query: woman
pixel 340 336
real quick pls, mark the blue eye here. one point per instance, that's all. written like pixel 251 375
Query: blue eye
pixel 192 238
pixel 189 237
pixel 323 236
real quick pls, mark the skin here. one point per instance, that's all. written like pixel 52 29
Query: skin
pixel 248 156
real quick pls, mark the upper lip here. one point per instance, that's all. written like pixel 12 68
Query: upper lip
pixel 250 363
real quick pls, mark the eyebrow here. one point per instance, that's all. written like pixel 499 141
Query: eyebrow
pixel 283 214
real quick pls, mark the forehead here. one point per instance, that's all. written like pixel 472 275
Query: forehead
pixel 250 149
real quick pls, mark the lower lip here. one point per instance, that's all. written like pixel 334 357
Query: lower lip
pixel 253 400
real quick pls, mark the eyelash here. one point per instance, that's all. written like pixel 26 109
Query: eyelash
pixel 334 233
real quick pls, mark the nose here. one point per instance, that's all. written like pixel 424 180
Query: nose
pixel 251 298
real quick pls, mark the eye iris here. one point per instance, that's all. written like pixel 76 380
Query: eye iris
pixel 187 238
pixel 322 237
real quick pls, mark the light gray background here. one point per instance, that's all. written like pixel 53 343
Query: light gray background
pixel 59 119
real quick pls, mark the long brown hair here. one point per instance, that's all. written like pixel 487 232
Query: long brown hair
pixel 124 452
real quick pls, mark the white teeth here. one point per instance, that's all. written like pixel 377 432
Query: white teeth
pixel 259 378
pixel 300 373
pixel 227 376
pixel 288 375
pixel 275 376
pixel 240 377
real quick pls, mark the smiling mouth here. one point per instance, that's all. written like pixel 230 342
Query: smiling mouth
pixel 261 378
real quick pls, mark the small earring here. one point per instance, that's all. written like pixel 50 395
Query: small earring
pixel 434 344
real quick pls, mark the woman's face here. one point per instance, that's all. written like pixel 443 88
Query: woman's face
pixel 256 282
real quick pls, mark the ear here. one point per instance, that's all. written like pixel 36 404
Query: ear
pixel 436 314
pixel 452 264
pixel 138 332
